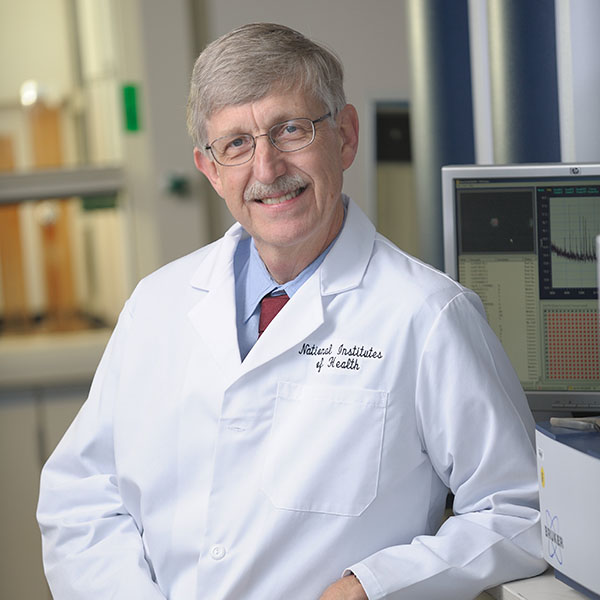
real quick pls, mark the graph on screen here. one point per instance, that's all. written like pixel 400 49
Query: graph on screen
pixel 574 225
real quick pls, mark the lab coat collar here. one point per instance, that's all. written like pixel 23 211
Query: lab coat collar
pixel 346 263
pixel 342 269
pixel 214 315
pixel 217 263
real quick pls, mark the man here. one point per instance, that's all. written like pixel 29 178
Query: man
pixel 220 458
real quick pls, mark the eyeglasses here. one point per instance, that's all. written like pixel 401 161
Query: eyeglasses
pixel 287 136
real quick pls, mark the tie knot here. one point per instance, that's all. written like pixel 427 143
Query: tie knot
pixel 269 307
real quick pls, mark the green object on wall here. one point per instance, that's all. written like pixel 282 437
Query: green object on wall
pixel 130 107
pixel 98 202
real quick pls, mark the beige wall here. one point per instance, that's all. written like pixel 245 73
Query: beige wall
pixel 42 45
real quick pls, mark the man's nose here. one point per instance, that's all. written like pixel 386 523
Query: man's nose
pixel 269 162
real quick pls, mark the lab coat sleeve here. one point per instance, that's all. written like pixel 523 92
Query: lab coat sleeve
pixel 478 432
pixel 92 547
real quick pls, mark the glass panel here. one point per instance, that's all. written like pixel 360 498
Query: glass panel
pixel 61 264
pixel 63 261
pixel 59 100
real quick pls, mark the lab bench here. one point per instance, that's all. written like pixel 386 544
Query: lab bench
pixel 542 587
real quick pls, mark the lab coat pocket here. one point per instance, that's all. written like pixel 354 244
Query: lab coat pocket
pixel 324 449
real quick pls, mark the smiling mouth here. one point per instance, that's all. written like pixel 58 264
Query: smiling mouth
pixel 281 199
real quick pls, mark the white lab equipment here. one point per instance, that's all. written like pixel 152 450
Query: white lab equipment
pixel 569 481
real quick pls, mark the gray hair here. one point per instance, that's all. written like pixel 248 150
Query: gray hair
pixel 248 63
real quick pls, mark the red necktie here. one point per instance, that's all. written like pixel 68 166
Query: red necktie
pixel 269 307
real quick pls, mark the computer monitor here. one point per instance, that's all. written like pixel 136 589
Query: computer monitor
pixel 523 238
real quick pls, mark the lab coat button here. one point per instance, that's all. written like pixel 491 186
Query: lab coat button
pixel 218 552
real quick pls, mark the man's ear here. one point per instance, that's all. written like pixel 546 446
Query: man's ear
pixel 208 167
pixel 348 129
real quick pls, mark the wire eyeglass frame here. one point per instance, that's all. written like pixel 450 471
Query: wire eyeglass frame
pixel 269 135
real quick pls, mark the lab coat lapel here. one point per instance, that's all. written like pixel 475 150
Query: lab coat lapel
pixel 214 316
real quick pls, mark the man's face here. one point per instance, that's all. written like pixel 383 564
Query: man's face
pixel 305 213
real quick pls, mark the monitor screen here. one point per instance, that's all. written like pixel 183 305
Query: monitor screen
pixel 523 238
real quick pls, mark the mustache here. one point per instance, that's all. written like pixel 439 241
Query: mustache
pixel 282 185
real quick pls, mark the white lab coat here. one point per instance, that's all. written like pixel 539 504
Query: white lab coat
pixel 189 474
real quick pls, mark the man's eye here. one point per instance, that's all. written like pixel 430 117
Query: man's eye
pixel 286 131
pixel 237 144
